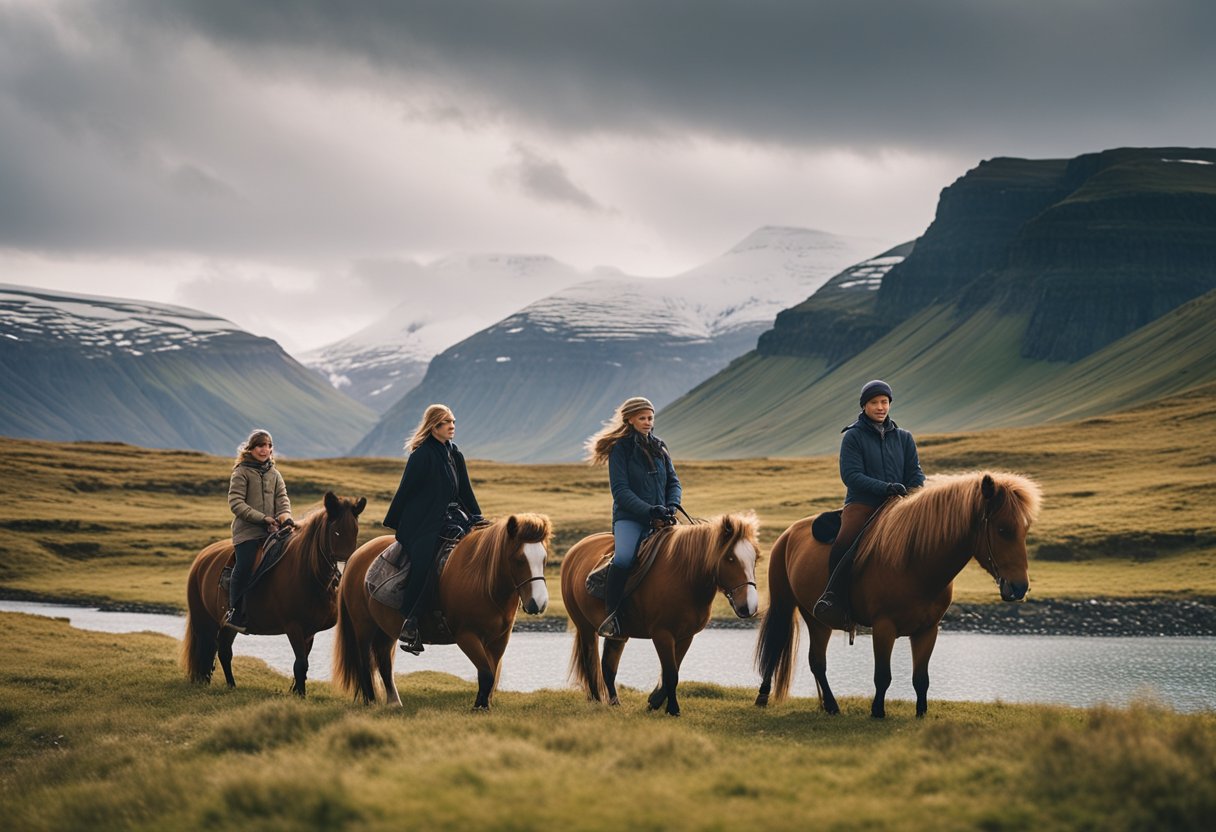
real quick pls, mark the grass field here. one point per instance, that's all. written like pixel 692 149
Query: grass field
pixel 1127 512
pixel 101 732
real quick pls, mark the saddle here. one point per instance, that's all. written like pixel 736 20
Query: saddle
pixel 387 576
pixel 648 550
pixel 826 526
pixel 268 557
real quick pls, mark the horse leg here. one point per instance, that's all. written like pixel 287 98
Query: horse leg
pixel 613 648
pixel 224 647
pixel 884 639
pixel 495 650
pixel 922 649
pixel 817 655
pixel 383 653
pixel 471 645
pixel 301 645
pixel 665 646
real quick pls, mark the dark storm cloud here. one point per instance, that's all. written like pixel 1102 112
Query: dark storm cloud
pixel 547 180
pixel 196 125
pixel 961 75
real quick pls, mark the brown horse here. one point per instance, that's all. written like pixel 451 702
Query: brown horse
pixel 903 577
pixel 669 607
pixel 296 597
pixel 490 572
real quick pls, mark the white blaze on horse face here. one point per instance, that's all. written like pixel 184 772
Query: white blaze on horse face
pixel 746 554
pixel 536 590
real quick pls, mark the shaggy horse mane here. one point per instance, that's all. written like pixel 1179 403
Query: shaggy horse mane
pixel 698 546
pixel 945 511
pixel 487 546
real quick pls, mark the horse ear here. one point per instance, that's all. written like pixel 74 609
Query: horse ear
pixel 332 503
pixel 512 526
pixel 359 506
pixel 994 496
pixel 728 527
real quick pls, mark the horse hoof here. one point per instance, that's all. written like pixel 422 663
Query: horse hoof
pixel 673 713
pixel 481 709
pixel 614 702
pixel 762 701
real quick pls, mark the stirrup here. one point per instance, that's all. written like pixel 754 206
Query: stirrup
pixel 414 646
pixel 831 612
pixel 410 637
pixel 240 628
pixel 610 628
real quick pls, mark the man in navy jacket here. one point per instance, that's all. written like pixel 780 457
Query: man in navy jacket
pixel 878 461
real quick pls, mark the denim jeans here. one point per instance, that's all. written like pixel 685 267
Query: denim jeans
pixel 626 534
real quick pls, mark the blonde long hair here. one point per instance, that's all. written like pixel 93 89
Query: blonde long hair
pixel 256 437
pixel 614 430
pixel 431 417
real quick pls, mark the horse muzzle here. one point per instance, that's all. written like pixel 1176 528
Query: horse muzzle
pixel 537 602
pixel 1013 591
pixel 745 603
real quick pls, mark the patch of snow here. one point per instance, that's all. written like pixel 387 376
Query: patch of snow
pixel 105 326
pixel 1190 161
pixel 502 359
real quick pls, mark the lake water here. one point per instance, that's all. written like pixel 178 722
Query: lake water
pixel 1066 670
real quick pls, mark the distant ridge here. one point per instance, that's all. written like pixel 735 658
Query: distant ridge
pixel 77 367
pixel 1036 279
pixel 430 308
pixel 534 385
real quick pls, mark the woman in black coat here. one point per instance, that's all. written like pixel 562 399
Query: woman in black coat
pixel 434 486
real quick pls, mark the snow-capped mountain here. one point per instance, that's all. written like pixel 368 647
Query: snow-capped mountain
pixel 440 304
pixel 534 385
pixel 86 367
pixel 100 326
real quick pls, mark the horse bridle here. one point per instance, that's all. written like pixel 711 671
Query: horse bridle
pixel 540 578
pixel 730 593
pixel 996 572
pixel 334 572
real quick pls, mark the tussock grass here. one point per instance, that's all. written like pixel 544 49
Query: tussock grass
pixel 98 732
pixel 1127 509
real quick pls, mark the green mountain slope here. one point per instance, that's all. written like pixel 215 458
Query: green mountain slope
pixel 1043 291
pixel 75 367
pixel 946 378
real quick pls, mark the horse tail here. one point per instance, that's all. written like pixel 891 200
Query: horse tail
pixel 585 664
pixel 778 640
pixel 199 645
pixel 349 666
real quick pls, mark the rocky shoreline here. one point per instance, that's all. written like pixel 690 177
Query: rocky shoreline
pixel 1083 617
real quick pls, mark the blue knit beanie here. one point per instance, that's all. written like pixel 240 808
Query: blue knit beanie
pixel 877 387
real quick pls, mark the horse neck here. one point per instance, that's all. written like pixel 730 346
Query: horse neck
pixel 307 560
pixel 498 582
pixel 946 562
pixel 703 578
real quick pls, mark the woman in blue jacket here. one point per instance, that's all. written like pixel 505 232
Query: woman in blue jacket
pixel 878 460
pixel 645 489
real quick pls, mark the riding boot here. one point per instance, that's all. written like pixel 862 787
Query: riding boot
pixel 832 608
pixel 614 593
pixel 238 583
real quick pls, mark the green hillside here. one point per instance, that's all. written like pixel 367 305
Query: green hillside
pixel 1044 290
pixel 206 398
pixel 946 376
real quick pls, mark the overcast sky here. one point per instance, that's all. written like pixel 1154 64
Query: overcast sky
pixel 273 161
